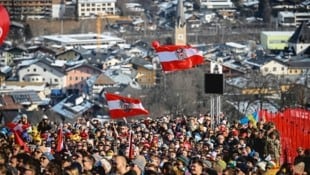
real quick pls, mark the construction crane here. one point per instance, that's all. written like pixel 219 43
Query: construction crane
pixel 99 18
pixel 99 26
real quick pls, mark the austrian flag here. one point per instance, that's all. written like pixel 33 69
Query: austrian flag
pixel 120 107
pixel 174 57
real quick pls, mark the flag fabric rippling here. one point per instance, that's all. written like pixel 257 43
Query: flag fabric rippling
pixel 250 117
pixel 177 57
pixel 120 106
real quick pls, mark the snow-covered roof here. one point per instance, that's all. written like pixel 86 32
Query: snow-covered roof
pixel 70 110
pixel 5 69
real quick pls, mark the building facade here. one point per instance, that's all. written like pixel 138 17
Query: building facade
pixel 42 72
pixel 76 77
pixel 91 8
pixel 180 26
pixel 23 9
pixel 217 4
pixel 274 67
pixel 275 40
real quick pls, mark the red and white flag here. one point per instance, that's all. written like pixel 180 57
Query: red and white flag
pixel 19 141
pixel 120 107
pixel 60 140
pixel 174 57
pixel 4 23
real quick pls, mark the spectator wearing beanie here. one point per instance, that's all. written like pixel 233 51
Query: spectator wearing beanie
pixel 182 164
pixel 139 164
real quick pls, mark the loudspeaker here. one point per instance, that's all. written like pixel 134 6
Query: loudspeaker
pixel 214 83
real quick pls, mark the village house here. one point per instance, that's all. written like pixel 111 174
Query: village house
pixel 44 70
pixel 300 40
pixel 76 77
pixel 145 72
pixel 274 67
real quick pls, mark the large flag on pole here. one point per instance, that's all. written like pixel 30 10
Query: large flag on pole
pixel 120 106
pixel 19 141
pixel 4 23
pixel 60 140
pixel 177 57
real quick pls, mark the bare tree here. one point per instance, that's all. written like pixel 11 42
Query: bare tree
pixel 178 92
pixel 265 10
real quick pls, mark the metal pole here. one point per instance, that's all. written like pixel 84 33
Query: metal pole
pixel 218 109
pixel 212 111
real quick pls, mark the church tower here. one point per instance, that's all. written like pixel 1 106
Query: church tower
pixel 180 25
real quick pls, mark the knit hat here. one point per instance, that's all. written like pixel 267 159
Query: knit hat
pixel 183 159
pixel 24 116
pixel 48 155
pixel 140 161
pixel 106 165
pixel 207 163
pixel 109 154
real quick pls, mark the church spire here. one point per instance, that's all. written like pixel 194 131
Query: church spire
pixel 180 19
pixel 180 25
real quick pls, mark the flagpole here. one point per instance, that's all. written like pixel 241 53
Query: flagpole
pixel 130 152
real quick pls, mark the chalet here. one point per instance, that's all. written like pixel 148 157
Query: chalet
pixel 145 72
pixel 300 40
pixel 77 75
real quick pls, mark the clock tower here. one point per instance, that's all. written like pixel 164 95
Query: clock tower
pixel 180 25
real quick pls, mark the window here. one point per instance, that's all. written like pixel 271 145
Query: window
pixel 76 78
pixel 282 68
pixel 44 69
pixel 274 69
pixel 28 70
pixel 70 78
pixel 55 80
pixel 34 70
pixel 266 69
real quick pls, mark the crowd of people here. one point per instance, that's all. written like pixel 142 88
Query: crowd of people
pixel 178 145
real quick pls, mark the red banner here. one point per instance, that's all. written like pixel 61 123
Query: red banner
pixel 294 127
